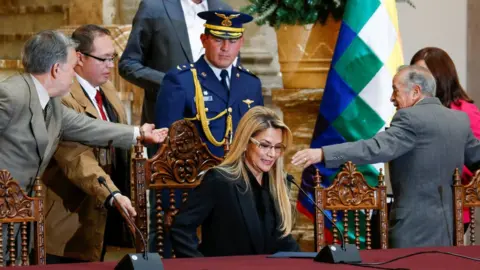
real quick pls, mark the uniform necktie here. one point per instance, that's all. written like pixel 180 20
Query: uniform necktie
pixel 47 113
pixel 224 76
pixel 99 99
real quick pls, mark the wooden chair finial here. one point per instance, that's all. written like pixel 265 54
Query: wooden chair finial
pixel 38 187
pixel 317 179
pixel 139 148
pixel 381 178
pixel 457 180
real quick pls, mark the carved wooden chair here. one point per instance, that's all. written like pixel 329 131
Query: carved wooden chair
pixel 176 166
pixel 350 192
pixel 17 208
pixel 465 196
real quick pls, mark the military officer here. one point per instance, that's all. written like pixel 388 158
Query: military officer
pixel 212 92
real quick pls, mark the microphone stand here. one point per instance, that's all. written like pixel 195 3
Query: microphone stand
pixel 134 261
pixel 344 253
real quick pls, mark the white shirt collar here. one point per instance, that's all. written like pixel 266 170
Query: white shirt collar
pixel 41 91
pixel 217 71
pixel 190 3
pixel 91 91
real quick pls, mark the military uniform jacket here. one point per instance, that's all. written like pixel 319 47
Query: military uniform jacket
pixel 176 98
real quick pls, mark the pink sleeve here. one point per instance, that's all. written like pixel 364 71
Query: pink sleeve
pixel 473 114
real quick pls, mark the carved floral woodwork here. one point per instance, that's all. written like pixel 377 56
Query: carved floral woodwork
pixel 472 191
pixel 181 158
pixel 13 201
pixel 350 192
pixel 465 196
pixel 17 207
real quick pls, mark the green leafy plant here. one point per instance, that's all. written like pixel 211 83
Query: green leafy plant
pixel 277 12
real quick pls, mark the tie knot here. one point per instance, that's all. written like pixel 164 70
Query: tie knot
pixel 224 74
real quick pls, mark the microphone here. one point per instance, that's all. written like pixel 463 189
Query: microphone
pixel 134 261
pixel 344 253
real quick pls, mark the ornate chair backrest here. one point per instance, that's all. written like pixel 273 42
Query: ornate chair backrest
pixel 350 192
pixel 465 196
pixel 176 167
pixel 17 208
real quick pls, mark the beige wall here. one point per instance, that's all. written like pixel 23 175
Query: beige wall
pixel 473 49
pixel 438 23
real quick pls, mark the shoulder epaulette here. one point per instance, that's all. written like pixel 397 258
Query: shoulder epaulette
pixel 246 70
pixel 185 67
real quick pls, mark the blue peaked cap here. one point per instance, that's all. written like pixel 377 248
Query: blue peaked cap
pixel 225 24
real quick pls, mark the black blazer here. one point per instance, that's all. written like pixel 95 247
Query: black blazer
pixel 228 218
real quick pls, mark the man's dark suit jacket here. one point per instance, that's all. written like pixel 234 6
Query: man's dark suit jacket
pixel 158 42
pixel 228 218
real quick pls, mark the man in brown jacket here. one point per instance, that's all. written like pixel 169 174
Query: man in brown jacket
pixel 76 205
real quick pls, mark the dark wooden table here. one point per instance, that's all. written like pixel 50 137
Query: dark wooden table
pixel 261 262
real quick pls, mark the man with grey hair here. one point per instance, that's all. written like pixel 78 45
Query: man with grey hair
pixel 425 143
pixel 33 119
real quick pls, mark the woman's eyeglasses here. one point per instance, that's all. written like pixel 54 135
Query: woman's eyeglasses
pixel 266 147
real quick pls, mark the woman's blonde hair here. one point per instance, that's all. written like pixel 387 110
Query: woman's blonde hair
pixel 253 122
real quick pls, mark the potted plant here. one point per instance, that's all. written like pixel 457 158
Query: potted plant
pixel 306 31
pixel 306 34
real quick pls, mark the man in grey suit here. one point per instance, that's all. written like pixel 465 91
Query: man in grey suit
pixel 165 33
pixel 424 144
pixel 33 119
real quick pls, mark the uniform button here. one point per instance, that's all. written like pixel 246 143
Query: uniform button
pixel 206 109
pixel 229 109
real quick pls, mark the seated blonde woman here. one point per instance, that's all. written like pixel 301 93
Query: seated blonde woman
pixel 242 205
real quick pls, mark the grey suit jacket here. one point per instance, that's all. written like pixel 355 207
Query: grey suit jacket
pixel 425 144
pixel 27 145
pixel 158 42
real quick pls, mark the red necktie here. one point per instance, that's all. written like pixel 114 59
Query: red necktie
pixel 98 98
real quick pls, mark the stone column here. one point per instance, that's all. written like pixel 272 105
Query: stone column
pixel 473 54
pixel 300 109
pixel 473 67
pixel 127 10
pixel 104 12
pixel 85 11
pixel 259 54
